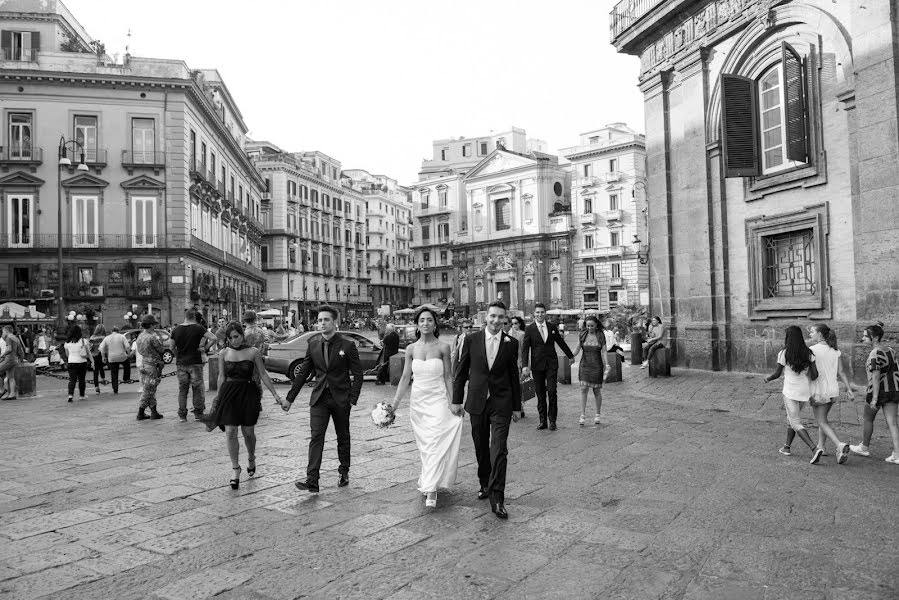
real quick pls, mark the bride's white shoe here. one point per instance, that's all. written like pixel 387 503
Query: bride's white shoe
pixel 431 500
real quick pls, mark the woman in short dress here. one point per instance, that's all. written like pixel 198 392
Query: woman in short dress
pixel 592 343
pixel 882 392
pixel 239 399
pixel 826 388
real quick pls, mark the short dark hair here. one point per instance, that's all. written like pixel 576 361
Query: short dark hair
pixel 328 309
pixel 190 314
pixel 539 305
pixel 875 331
pixel 115 328
pixel 497 304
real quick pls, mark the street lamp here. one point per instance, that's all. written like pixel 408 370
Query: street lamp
pixel 63 161
pixel 641 249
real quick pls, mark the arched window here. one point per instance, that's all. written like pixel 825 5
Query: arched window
pixel 556 288
pixel 477 218
pixel 479 292
pixel 528 210
pixel 503 214
pixel 529 288
pixel 463 293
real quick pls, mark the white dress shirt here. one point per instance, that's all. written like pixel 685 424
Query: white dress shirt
pixel 492 342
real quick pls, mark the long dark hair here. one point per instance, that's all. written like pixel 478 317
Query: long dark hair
pixel 74 334
pixel 599 329
pixel 827 333
pixel 234 326
pixel 796 354
pixel 419 313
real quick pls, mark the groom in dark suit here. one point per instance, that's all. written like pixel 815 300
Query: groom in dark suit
pixel 334 360
pixel 489 363
pixel 539 345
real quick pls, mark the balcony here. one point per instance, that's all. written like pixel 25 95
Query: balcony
pixel 627 13
pixel 266 197
pixel 611 176
pixel 588 218
pixel 93 157
pixel 589 284
pixel 117 241
pixel 616 282
pixel 586 181
pixel 613 215
pixel 427 211
pixel 21 154
pixel 20 54
pixel 148 159
pixel 601 252
pixel 144 289
pixel 293 198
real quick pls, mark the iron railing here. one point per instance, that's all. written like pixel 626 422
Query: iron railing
pixel 132 158
pixel 627 12
pixel 22 153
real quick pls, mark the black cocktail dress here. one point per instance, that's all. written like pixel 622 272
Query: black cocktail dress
pixel 240 398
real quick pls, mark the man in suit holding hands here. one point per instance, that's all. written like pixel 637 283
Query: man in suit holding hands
pixel 540 340
pixel 488 361
pixel 334 360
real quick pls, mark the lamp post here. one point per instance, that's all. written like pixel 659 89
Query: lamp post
pixel 63 161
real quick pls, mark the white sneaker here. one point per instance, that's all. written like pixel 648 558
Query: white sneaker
pixel 644 365
pixel 582 420
pixel 892 458
pixel 860 449
pixel 596 419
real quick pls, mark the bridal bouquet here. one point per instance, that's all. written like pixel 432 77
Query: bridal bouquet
pixel 383 415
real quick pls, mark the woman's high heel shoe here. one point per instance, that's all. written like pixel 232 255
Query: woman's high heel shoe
pixel 251 468
pixel 235 482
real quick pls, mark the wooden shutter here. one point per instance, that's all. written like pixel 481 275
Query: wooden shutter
pixel 35 43
pixel 739 126
pixel 6 43
pixel 794 104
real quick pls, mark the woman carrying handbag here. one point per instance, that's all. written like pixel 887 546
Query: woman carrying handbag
pixel 78 356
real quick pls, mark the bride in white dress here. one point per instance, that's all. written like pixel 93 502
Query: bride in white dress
pixel 438 432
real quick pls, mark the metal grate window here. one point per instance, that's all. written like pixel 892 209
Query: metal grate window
pixel 790 265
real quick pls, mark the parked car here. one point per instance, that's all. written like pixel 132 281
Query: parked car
pixel 131 335
pixel 286 357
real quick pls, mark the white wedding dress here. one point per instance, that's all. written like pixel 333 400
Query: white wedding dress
pixel 438 432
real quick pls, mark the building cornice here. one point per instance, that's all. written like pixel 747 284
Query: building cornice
pixel 617 149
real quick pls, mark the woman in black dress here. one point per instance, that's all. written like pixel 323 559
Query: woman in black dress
pixel 592 342
pixel 239 400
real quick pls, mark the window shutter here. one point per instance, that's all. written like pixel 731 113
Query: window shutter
pixel 794 104
pixel 35 41
pixel 5 40
pixel 739 126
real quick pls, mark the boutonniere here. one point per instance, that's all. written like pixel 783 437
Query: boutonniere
pixel 507 339
pixel 342 353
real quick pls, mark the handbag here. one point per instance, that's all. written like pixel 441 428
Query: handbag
pixel 528 390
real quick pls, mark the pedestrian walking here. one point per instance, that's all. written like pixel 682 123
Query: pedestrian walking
pixel 78 355
pixel 882 391
pixel 826 388
pixel 456 346
pixel 515 329
pixel 488 364
pixel 13 353
pixel 254 334
pixel 150 348
pixel 796 363
pixel 538 357
pixel 335 360
pixel 591 371
pixel 116 354
pixel 239 399
pixel 658 336
pixel 189 343
pixel 390 345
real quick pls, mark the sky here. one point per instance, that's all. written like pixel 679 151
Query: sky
pixel 372 84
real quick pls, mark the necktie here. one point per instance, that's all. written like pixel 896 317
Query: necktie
pixel 543 331
pixel 491 351
pixel 327 351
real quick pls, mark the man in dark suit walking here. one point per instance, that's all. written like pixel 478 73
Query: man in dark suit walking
pixel 334 360
pixel 390 345
pixel 540 340
pixel 489 363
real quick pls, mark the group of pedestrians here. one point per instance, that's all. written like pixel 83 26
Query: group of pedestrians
pixel 812 375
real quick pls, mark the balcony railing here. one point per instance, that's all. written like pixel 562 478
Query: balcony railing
pixel 142 289
pixel 22 153
pixel 143 158
pixel 616 282
pixel 20 54
pixel 587 218
pixel 611 176
pixel 627 12
pixel 92 156
pixel 613 215
pixel 601 252
pixel 85 240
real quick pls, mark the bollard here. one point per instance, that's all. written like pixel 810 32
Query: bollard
pixel 636 348
pixel 660 365
pixel 213 363
pixel 613 361
pixel 396 367
pixel 564 374
pixel 26 379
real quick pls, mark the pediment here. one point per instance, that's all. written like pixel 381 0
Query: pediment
pixel 143 182
pixel 499 161
pixel 21 179
pixel 501 188
pixel 84 180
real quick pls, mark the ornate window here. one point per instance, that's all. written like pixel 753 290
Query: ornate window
pixel 529 288
pixel 503 214
pixel 478 292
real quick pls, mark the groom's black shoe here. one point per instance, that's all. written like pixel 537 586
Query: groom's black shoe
pixel 552 425
pixel 483 494
pixel 542 425
pixel 344 480
pixel 499 510
pixel 308 485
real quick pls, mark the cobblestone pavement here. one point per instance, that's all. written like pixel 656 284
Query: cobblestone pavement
pixel 679 493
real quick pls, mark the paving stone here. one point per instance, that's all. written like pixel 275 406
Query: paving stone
pixel 592 580
pixel 50 557
pixel 715 588
pixel 45 523
pixel 395 539
pixel 178 522
pixel 495 560
pixel 203 585
pixel 175 542
pixel 618 538
pixel 117 506
pixel 367 524
pixel 47 582
pixel 164 493
pixel 238 505
pixel 103 525
pixel 299 506
pixel 117 540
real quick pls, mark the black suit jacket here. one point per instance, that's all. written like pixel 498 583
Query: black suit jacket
pixel 343 362
pixel 500 383
pixel 543 354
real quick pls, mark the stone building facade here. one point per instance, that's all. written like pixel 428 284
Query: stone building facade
pixel 608 203
pixel 163 215
pixel 314 248
pixel 772 170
